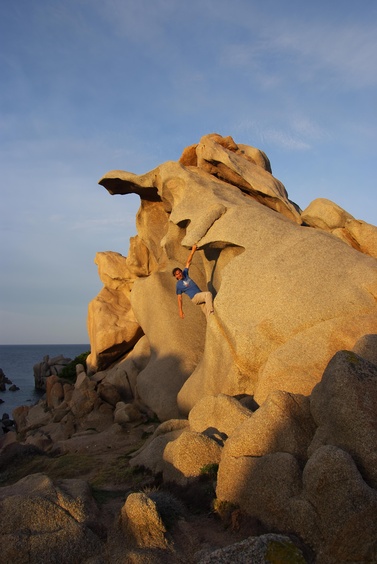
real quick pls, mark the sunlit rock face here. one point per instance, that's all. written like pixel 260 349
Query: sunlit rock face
pixel 287 292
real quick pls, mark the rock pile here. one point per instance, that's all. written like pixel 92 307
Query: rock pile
pixel 48 367
pixel 303 465
pixel 68 409
pixel 288 292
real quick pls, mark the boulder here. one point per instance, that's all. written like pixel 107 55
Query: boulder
pixel 43 521
pixel 343 406
pixel 151 454
pixel 325 214
pixel 364 234
pixel 248 168
pixel 283 423
pixel 185 457
pixel 344 505
pixel 141 522
pixel 54 391
pixel 84 397
pixel 126 412
pixel 123 375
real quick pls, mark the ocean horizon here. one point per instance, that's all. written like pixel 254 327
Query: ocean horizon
pixel 17 362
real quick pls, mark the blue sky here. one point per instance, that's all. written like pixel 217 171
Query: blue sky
pixel 93 85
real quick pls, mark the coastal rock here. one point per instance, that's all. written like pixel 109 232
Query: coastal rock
pixel 3 380
pixel 48 367
pixel 275 328
pixel 160 381
pixel 54 391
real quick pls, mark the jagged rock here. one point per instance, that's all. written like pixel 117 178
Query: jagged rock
pixel 3 382
pixel 112 327
pixel 246 168
pixel 46 522
pixel 287 297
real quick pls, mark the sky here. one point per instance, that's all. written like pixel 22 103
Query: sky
pixel 89 86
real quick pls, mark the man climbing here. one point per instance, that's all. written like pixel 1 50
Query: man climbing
pixel 185 285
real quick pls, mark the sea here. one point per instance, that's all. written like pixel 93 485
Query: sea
pixel 17 363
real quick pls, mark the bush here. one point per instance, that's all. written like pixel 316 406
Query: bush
pixel 168 506
pixel 69 371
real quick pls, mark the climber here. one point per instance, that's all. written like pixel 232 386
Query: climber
pixel 186 285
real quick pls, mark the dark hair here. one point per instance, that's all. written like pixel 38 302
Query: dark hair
pixel 176 269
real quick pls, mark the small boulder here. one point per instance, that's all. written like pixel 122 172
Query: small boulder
pixel 186 456
pixel 141 522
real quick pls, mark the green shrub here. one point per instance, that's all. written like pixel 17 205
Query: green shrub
pixel 69 371
pixel 210 470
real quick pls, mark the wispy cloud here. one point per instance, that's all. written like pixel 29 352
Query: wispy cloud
pixel 346 52
pixel 299 134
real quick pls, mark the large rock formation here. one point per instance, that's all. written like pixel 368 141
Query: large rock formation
pixel 287 292
pixel 279 387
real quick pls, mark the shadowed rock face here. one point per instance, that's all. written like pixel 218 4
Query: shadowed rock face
pixel 287 296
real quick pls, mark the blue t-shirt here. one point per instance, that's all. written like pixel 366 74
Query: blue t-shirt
pixel 186 285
